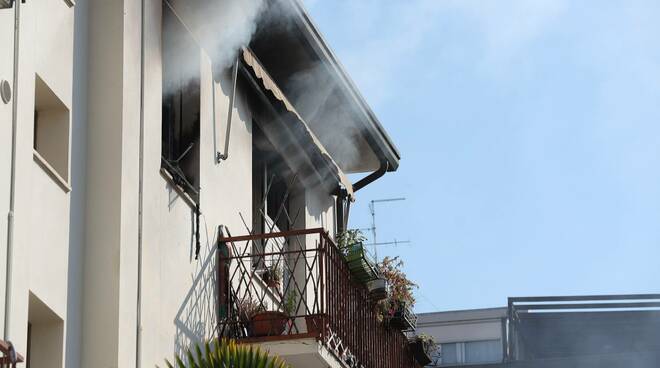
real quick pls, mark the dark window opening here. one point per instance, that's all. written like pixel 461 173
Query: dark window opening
pixel 271 183
pixel 181 104
pixel 273 187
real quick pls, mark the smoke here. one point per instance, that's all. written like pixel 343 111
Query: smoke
pixel 220 27
pixel 229 25
pixel 315 94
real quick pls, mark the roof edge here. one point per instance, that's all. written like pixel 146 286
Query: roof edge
pixel 379 136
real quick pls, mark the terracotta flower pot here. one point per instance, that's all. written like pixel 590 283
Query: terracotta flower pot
pixel 270 323
pixel 314 323
pixel 272 283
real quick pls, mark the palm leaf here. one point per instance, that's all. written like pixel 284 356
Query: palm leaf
pixel 226 354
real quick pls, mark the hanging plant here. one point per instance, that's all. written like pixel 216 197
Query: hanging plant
pixel 349 238
pixel 422 346
pixel 396 309
pixel 363 268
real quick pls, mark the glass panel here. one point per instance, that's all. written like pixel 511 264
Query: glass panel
pixel 483 351
pixel 449 354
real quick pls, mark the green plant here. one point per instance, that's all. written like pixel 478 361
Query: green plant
pixel 400 288
pixel 348 238
pixel 427 340
pixel 289 305
pixel 226 354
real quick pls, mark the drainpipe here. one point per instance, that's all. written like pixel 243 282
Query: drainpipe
pixel 138 328
pixel 372 177
pixel 12 190
pixel 225 155
pixel 343 199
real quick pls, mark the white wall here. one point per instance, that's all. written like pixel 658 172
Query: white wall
pixel 40 258
pixel 77 250
pixel 73 338
pixel 463 326
pixel 179 291
pixel 102 252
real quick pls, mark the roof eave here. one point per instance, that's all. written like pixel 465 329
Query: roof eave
pixel 381 142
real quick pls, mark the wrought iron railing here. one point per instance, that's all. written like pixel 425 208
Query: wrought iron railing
pixel 315 296
pixel 9 358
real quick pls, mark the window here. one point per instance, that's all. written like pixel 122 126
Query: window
pixel 271 194
pixel 449 353
pixel 271 191
pixel 181 104
pixel 51 130
pixel 471 352
pixel 45 336
pixel 483 351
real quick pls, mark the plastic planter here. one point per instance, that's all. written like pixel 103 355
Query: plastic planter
pixel 377 289
pixel 403 319
pixel 361 266
pixel 419 349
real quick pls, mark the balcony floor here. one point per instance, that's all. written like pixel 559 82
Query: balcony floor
pixel 300 351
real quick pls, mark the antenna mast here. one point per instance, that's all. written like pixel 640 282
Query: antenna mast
pixel 372 210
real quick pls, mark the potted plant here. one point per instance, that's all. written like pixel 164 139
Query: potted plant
pixel 362 267
pixel 245 309
pixel 377 289
pixel 272 276
pixel 290 301
pixel 422 347
pixel 396 309
pixel 259 320
pixel 403 319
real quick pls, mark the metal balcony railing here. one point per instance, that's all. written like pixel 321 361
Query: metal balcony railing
pixel 8 356
pixel 296 284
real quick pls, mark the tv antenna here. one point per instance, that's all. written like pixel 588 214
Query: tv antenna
pixel 372 210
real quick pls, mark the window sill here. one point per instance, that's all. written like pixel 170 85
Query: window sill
pixel 182 193
pixel 51 171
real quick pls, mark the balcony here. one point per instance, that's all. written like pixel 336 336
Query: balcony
pixel 8 356
pixel 292 292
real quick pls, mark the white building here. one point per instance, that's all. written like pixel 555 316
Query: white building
pixel 128 143
pixel 466 337
pixel 588 331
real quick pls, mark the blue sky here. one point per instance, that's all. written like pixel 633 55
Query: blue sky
pixel 530 140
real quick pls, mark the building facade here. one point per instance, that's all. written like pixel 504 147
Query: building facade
pixel 466 337
pixel 150 150
pixel 611 331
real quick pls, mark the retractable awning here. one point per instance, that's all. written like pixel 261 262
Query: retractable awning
pixel 290 134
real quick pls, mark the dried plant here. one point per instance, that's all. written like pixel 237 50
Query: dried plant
pixel 428 341
pixel 247 308
pixel 400 287
pixel 272 274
